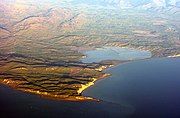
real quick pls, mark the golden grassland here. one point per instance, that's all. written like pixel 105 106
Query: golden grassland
pixel 41 45
pixel 56 82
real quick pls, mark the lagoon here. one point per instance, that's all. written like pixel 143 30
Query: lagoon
pixel 138 89
pixel 114 53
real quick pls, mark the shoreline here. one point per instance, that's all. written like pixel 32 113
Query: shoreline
pixel 46 95
pixel 13 84
pixel 175 56
pixel 126 62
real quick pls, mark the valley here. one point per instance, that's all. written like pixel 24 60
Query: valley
pixel 41 45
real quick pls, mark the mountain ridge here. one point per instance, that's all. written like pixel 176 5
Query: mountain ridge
pixel 130 3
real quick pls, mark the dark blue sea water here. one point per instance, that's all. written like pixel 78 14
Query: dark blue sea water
pixel 150 87
pixel 139 89
pixel 16 104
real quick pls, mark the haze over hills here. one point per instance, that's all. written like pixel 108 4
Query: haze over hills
pixel 130 3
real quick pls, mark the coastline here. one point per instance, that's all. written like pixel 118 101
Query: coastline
pixel 113 63
pixel 128 61
pixel 13 84
pixel 46 95
pixel 175 56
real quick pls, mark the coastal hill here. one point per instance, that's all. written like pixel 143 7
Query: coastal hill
pixel 42 43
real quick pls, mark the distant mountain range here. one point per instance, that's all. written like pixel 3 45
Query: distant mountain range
pixel 124 4
pixel 131 3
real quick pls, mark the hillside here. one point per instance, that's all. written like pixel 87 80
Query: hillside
pixel 41 43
